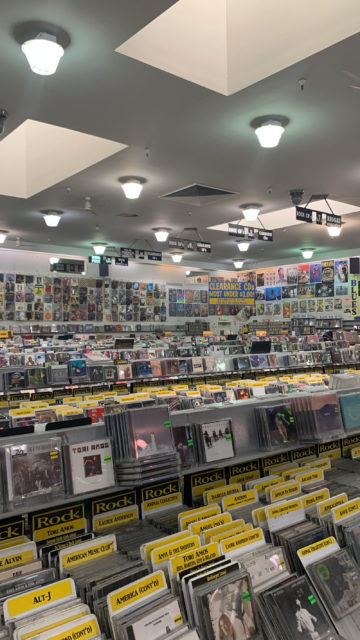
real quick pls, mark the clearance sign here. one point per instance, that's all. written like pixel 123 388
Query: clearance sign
pixel 239 293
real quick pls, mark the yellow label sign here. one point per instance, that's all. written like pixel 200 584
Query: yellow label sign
pixel 261 486
pixel 209 523
pixel 242 540
pixel 259 515
pixel 16 559
pixel 56 522
pixel 283 509
pixel 317 546
pixel 333 455
pixel 229 526
pixel 188 517
pixel 47 627
pixel 198 491
pixel 346 510
pixel 150 546
pixel 239 499
pixel 355 452
pixel 308 477
pixel 21 412
pixel 286 490
pixel 279 469
pixel 292 473
pixel 216 495
pixel 323 463
pixel 78 554
pixel 134 592
pixel 163 501
pixel 230 533
pixel 188 560
pixel 34 405
pixel 50 595
pixel 325 507
pixel 86 629
pixel 316 496
pixel 241 478
pixel 115 518
pixel 168 551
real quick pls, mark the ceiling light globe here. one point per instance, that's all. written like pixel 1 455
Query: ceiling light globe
pixel 43 54
pixel 132 189
pixel 187 272
pixel 269 134
pixel 54 260
pixel 333 232
pixel 243 246
pixel 52 219
pixel 238 264
pixel 161 235
pixel 99 248
pixel 251 214
pixel 177 257
pixel 3 236
pixel 307 253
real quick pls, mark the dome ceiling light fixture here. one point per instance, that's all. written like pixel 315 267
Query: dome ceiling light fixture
pixel 132 186
pixel 99 248
pixel 161 233
pixel 238 264
pixel 3 236
pixel 43 53
pixel 269 129
pixel 177 256
pixel 250 211
pixel 51 217
pixel 307 253
pixel 333 231
pixel 243 246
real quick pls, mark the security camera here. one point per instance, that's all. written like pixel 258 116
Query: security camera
pixel 3 117
pixel 296 196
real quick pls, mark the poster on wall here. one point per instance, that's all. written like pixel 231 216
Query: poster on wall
pixel 327 267
pixel 303 273
pixel 272 293
pixel 316 272
pixel 341 269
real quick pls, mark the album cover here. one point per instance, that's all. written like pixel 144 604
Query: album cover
pixel 326 412
pixel 272 293
pixel 33 469
pixel 77 369
pixel 36 377
pixel 259 361
pixel 303 273
pixel 327 267
pixel 217 440
pixel 16 380
pixel 337 578
pixel 300 613
pixel 230 611
pixel 44 416
pixel 96 373
pixel 148 433
pixel 89 465
pixel 341 268
pixel 281 424
pixel 324 290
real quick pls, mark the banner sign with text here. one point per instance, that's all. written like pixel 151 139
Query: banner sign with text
pixel 239 231
pixel 303 214
pixel 237 293
pixel 189 245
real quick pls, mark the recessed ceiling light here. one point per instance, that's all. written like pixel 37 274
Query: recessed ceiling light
pixel 43 54
pixel 99 247
pixel 269 129
pixel 3 236
pixel 238 264
pixel 161 233
pixel 307 253
pixel 132 187
pixel 52 217
pixel 243 246
pixel 251 212
pixel 333 231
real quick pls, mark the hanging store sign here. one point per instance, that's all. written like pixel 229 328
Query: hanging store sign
pixel 100 259
pixel 124 262
pixel 303 214
pixel 250 233
pixel 237 293
pixel 154 256
pixel 128 253
pixel 189 245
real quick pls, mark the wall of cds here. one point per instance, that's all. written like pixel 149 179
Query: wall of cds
pixel 45 298
pixel 188 303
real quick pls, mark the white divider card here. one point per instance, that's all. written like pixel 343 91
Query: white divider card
pixel 317 551
pixel 148 547
pixel 284 514
pixel 345 511
pixel 239 499
pixel 209 523
pixel 84 628
pixel 161 555
pixel 216 495
pixel 115 518
pixel 86 551
pixel 324 507
pixel 28 603
pixel 242 542
pixel 217 537
pixel 136 593
pixel 310 476
pixel 188 517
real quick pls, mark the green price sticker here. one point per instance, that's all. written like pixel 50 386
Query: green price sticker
pixel 246 596
pixel 167 423
pixel 190 443
pixel 312 599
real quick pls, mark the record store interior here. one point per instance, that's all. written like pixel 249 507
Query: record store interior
pixel 179 320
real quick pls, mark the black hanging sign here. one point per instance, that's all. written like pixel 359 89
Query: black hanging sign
pixel 176 243
pixel 264 234
pixel 100 259
pixel 128 253
pixel 333 220
pixel 250 233
pixel 203 247
pixel 190 245
pixel 154 256
pixel 303 214
pixel 124 262
pixel 140 254
pixel 236 230
pixel 319 217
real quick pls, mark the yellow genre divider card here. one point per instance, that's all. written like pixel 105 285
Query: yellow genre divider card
pixel 188 560
pixel 231 533
pixel 188 517
pixel 140 590
pixel 325 506
pixel 36 627
pixel 44 597
pixel 80 553
pixel 87 627
pixel 115 518
pixel 162 554
pixel 148 547
pixel 282 491
pixel 236 544
pixel 209 523
pixel 310 476
pixel 317 550
pixel 216 495
pixel 207 536
pixel 20 554
pixel 346 510
pixel 239 499
pixel 314 497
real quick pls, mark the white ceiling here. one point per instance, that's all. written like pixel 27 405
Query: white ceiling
pixel 227 45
